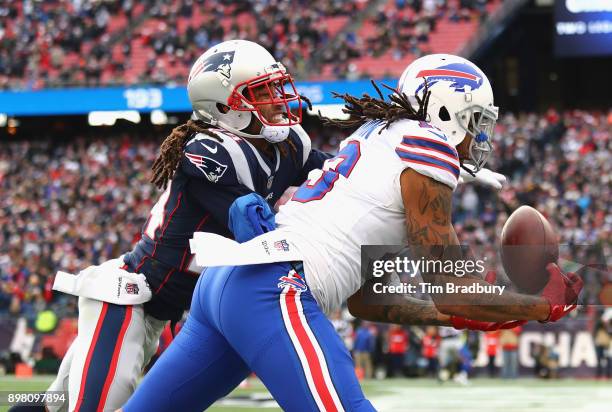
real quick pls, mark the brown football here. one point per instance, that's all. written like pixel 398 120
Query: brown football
pixel 528 244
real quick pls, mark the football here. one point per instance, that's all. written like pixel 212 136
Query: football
pixel 528 244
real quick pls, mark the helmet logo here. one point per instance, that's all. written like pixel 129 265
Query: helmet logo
pixel 460 74
pixel 218 62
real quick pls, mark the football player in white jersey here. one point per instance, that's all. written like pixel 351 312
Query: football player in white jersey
pixel 390 184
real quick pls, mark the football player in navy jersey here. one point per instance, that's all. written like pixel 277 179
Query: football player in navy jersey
pixel 242 139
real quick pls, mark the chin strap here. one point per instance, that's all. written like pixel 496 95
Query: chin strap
pixel 275 134
pixel 468 170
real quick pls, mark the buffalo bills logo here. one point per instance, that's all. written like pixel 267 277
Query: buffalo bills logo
pixel 459 74
pixel 212 169
pixel 218 62
pixel 131 288
pixel 293 282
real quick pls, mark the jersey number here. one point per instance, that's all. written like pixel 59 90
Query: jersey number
pixel 156 219
pixel 322 181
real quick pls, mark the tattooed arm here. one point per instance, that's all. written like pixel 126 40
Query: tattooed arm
pixel 431 236
pixel 402 310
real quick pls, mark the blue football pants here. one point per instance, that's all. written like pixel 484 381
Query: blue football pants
pixel 259 318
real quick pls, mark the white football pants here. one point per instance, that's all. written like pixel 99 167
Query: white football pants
pixel 103 364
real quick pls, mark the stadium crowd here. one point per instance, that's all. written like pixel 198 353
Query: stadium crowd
pixel 401 28
pixel 290 30
pixel 67 205
pixel 45 43
pixel 381 351
pixel 91 43
pixel 72 203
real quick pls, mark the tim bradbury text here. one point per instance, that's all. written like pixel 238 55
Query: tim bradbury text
pixel 425 287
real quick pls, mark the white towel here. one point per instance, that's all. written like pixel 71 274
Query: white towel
pixel 106 282
pixel 214 250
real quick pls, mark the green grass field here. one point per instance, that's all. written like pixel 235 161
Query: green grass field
pixel 425 395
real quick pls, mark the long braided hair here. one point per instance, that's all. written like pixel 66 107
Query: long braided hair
pixel 172 147
pixel 171 150
pixel 366 108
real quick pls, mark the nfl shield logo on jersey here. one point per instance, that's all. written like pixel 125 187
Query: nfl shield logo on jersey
pixel 131 289
pixel 281 245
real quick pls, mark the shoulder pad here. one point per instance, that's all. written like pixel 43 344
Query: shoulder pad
pixel 419 128
pixel 427 150
pixel 221 162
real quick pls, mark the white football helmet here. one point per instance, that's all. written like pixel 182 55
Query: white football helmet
pixel 226 76
pixel 461 101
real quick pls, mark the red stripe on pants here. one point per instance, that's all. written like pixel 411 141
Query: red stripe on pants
pixel 90 354
pixel 113 366
pixel 308 348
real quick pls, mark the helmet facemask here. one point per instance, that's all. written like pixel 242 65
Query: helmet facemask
pixel 479 123
pixel 274 85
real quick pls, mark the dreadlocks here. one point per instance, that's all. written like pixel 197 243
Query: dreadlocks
pixel 172 149
pixel 368 108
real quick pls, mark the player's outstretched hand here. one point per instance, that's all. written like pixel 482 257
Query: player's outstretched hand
pixel 485 177
pixel 460 322
pixel 561 292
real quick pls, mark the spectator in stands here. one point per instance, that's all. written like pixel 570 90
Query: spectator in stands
pixel 603 342
pixel 363 348
pixel 47 187
pixel 509 341
pixel 342 325
pixel 80 43
pixel 430 346
pixel 48 363
pixel 95 180
pixel 397 345
pixel 492 345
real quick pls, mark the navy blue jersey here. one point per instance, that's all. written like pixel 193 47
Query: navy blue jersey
pixel 211 175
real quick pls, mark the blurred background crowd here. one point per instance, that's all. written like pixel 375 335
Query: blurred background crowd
pixel 80 202
pixel 69 205
pixel 56 43
pixel 70 199
pixel 445 354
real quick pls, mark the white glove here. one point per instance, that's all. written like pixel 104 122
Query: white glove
pixel 485 177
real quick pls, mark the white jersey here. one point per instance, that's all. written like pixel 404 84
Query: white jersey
pixel 356 200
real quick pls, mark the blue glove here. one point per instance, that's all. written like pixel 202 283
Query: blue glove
pixel 250 216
